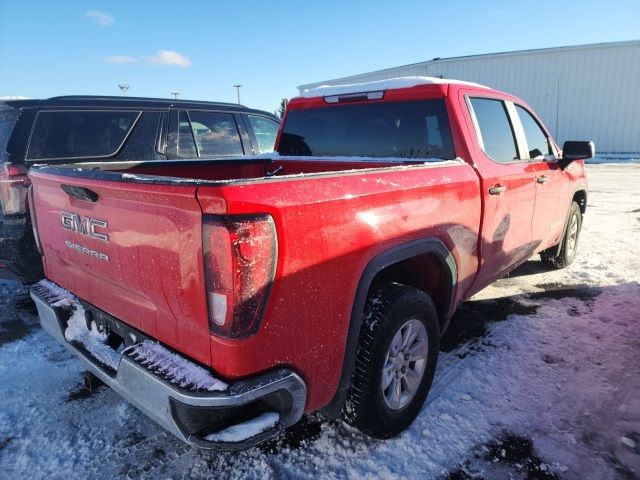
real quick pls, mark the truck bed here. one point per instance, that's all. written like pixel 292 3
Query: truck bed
pixel 235 170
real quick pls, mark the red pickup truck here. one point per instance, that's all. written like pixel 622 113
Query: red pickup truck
pixel 226 298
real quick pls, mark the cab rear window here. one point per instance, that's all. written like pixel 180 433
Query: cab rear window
pixel 416 129
pixel 79 134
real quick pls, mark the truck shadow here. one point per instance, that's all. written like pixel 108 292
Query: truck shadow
pixel 530 267
pixel 473 317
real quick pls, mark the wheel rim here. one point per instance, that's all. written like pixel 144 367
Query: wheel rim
pixel 405 364
pixel 572 239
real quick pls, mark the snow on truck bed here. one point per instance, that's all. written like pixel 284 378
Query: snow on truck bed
pixel 537 377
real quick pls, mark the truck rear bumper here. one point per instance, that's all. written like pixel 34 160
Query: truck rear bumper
pixel 190 414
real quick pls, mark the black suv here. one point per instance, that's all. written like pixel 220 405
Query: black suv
pixel 82 129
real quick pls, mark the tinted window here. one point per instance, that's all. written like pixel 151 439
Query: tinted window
pixel 8 119
pixel 216 134
pixel 181 141
pixel 78 134
pixel 537 141
pixel 495 129
pixel 386 129
pixel 266 131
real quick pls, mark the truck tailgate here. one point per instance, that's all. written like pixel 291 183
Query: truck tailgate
pixel 131 249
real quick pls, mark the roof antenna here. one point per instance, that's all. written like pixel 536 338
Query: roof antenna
pixel 124 87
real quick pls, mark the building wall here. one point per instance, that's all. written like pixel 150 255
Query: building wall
pixel 587 92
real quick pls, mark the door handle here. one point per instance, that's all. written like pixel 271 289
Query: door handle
pixel 542 179
pixel 497 190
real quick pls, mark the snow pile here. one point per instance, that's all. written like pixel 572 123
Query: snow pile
pixel 174 368
pixel 245 430
pixel 53 293
pixel 401 82
pixel 91 338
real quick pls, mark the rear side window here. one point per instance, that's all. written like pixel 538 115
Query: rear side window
pixel 266 131
pixel 418 129
pixel 537 141
pixel 496 134
pixel 79 134
pixel 216 134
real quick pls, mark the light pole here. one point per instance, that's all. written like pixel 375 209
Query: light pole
pixel 175 95
pixel 237 87
pixel 124 87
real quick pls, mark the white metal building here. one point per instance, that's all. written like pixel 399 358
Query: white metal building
pixel 583 92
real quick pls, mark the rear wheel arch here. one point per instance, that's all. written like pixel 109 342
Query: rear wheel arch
pixel 400 264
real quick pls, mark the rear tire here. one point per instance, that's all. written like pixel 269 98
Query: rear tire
pixel 569 247
pixel 396 361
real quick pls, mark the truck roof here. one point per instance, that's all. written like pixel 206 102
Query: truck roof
pixel 377 85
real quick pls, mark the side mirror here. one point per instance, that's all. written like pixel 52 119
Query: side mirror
pixel 576 150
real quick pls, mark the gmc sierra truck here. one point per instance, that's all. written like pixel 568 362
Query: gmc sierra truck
pixel 226 298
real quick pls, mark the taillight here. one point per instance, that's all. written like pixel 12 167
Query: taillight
pixel 34 220
pixel 13 188
pixel 240 254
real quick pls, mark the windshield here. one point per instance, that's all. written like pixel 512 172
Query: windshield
pixel 415 129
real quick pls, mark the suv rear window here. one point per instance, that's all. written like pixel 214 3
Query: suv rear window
pixel 417 129
pixel 79 134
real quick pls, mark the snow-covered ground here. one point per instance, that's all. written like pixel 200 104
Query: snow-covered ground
pixel 538 378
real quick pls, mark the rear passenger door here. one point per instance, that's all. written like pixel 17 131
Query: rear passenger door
pixel 552 187
pixel 508 189
pixel 206 134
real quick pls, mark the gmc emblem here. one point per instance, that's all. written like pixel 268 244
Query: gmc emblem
pixel 84 225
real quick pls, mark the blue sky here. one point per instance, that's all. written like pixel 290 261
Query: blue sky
pixel 201 49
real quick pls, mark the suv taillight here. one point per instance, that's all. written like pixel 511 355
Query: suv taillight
pixel 13 188
pixel 240 254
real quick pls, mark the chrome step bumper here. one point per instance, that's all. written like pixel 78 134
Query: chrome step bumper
pixel 189 414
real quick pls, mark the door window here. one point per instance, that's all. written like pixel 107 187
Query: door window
pixel 537 141
pixel 495 132
pixel 266 131
pixel 216 134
